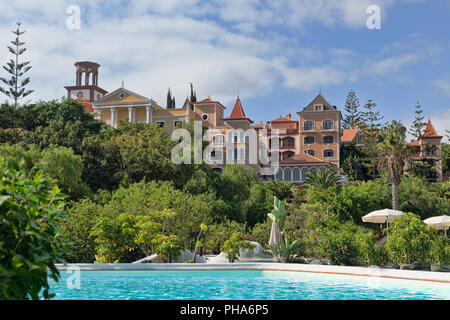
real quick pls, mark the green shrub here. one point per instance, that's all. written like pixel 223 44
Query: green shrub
pixel 31 241
pixel 340 248
pixel 440 251
pixel 409 239
pixel 369 252
pixel 218 233
pixel 261 232
pixel 233 245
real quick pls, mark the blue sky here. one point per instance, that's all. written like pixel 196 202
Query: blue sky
pixel 277 54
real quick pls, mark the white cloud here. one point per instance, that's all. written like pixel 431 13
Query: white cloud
pixel 443 85
pixel 152 45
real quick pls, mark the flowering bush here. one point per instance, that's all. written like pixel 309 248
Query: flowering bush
pixel 340 248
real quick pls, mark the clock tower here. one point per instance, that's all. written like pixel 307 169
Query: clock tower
pixel 86 85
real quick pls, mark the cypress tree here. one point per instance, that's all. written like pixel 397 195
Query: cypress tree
pixel 352 116
pixel 418 124
pixel 15 89
pixel 193 97
pixel 170 100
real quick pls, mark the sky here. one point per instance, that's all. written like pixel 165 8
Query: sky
pixel 276 55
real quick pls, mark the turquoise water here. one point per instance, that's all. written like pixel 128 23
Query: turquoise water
pixel 238 285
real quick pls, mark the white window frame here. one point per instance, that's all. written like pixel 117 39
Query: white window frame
pixel 323 125
pixel 175 122
pixel 328 143
pixel 160 121
pixel 334 153
pixel 309 121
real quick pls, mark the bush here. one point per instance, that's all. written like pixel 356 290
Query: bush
pixel 78 224
pixel 261 232
pixel 31 241
pixel 233 245
pixel 340 248
pixel 440 251
pixel 217 234
pixel 409 239
pixel 369 252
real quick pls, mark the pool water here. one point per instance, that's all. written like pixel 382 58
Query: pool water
pixel 237 285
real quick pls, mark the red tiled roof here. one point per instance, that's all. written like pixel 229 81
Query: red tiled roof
pixel 238 112
pixel 430 132
pixel 414 143
pixel 87 105
pixel 303 158
pixel 284 119
pixel 186 104
pixel 348 135
pixel 209 100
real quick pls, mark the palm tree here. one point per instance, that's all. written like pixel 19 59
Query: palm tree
pixel 392 152
pixel 281 189
pixel 323 179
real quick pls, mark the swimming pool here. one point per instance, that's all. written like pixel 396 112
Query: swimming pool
pixel 237 285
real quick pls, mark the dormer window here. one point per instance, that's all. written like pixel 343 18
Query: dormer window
pixel 318 107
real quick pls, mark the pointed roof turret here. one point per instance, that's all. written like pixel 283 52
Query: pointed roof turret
pixel 430 132
pixel 187 103
pixel 238 112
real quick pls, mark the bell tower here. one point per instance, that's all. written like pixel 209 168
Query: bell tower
pixel 86 82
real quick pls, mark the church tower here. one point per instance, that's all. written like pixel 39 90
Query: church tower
pixel 86 83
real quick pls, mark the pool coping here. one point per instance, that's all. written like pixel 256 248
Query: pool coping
pixel 373 271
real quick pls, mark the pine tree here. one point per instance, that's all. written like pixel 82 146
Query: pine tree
pixel 370 118
pixel 418 124
pixel 371 125
pixel 352 116
pixel 16 69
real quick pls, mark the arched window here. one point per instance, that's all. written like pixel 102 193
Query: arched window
pixel 328 140
pixel 288 155
pixel 287 174
pixel 279 175
pixel 323 169
pixel 304 173
pixel 327 125
pixel 328 153
pixel 308 125
pixel 314 169
pixel 218 140
pixel 309 140
pixel 296 174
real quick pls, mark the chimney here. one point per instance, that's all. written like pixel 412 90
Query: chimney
pixel 289 115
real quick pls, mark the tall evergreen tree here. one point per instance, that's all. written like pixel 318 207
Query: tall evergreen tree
pixel 15 89
pixel 370 118
pixel 170 100
pixel 418 124
pixel 352 114
pixel 193 97
pixel 371 125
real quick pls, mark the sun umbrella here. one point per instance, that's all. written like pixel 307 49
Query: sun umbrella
pixel 274 234
pixel 381 216
pixel 439 222
pixel 275 216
